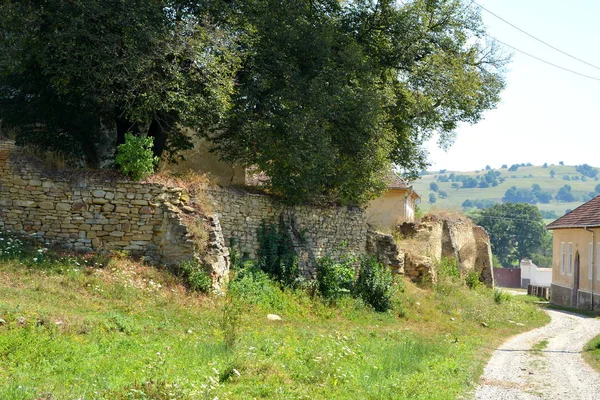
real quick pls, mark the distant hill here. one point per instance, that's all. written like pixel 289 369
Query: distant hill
pixel 458 187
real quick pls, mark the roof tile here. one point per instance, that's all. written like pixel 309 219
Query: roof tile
pixel 587 214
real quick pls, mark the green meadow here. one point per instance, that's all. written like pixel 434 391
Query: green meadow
pixel 523 177
pixel 90 328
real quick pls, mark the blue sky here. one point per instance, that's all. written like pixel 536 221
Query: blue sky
pixel 546 114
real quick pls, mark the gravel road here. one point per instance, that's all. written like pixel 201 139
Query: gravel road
pixel 518 371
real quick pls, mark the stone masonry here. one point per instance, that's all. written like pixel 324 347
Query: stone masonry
pixel 88 214
pixel 315 231
pixel 151 220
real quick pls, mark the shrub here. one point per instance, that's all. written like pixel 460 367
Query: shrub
pixel 447 268
pixel 230 320
pixel 135 157
pixel 195 276
pixel 10 247
pixel 472 280
pixel 254 286
pixel 374 284
pixel 500 296
pixel 334 278
pixel 276 253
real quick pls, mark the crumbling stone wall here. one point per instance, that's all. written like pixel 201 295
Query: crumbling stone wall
pixel 386 250
pixel 315 231
pixel 87 214
pixel 435 238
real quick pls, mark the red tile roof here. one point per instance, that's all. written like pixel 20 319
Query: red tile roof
pixel 586 215
pixel 395 182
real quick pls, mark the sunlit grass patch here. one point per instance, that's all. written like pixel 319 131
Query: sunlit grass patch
pixel 125 330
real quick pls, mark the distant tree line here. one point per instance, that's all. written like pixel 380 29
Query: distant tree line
pixel 489 179
pixel 530 196
pixel 479 203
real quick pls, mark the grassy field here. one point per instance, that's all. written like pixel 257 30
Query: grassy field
pixel 524 177
pixel 76 328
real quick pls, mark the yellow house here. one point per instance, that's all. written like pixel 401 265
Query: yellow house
pixel 395 206
pixel 576 257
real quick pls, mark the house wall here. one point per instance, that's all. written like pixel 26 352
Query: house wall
pixel 391 209
pixel 562 282
pixel 200 159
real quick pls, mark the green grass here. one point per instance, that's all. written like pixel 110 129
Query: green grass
pixel 591 353
pixel 128 331
pixel 520 178
pixel 539 346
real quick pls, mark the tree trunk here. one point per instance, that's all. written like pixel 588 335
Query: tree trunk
pixel 158 132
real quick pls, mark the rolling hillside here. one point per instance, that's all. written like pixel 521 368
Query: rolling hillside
pixel 523 178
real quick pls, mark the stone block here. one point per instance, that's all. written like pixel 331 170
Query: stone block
pixel 25 203
pixel 63 207
pixel 147 210
pixel 107 208
pixel 98 193
pixel 46 205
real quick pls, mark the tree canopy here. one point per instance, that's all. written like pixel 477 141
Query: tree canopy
pixel 75 75
pixel 323 96
pixel 516 231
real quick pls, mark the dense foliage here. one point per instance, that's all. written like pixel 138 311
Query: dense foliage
pixel 323 96
pixel 374 284
pixel 76 76
pixel 531 196
pixel 276 253
pixel 334 92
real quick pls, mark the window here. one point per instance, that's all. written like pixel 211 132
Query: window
pixel 562 257
pixel 590 260
pixel 570 258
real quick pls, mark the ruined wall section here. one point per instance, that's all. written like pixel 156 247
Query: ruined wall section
pixel 446 237
pixel 88 214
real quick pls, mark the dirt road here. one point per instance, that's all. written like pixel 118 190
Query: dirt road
pixel 545 363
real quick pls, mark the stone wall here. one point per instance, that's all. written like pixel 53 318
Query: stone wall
pixel 85 213
pixel 315 231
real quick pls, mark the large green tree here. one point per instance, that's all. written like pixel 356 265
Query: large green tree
pixel 516 231
pixel 76 74
pixel 331 93
pixel 324 96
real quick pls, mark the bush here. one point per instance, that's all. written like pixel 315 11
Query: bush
pixel 254 286
pixel 10 247
pixel 447 268
pixel 334 278
pixel 374 284
pixel 500 296
pixel 135 157
pixel 276 253
pixel 472 280
pixel 195 276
